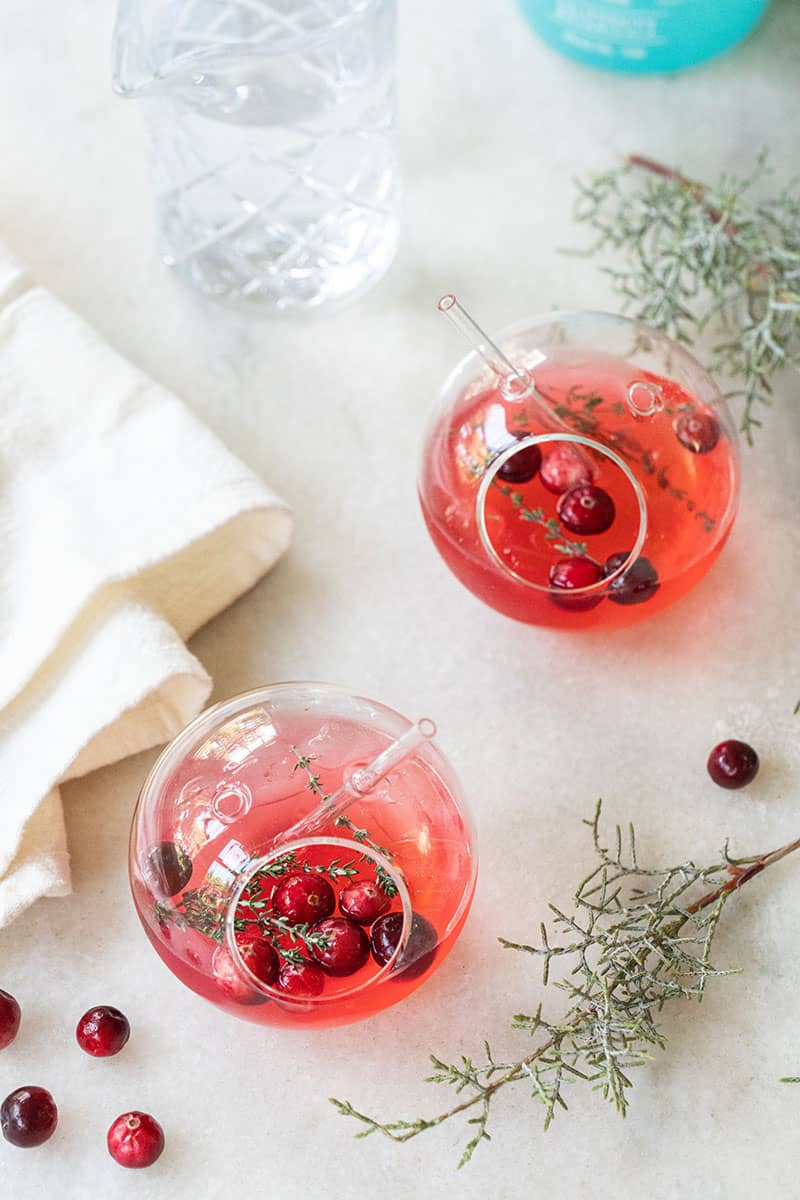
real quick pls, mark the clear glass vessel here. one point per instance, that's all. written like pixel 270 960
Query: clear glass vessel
pixel 302 856
pixel 272 140
pixel 580 471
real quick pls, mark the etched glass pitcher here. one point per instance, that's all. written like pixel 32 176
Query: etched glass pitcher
pixel 272 139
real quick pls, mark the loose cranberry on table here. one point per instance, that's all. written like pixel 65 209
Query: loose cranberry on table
pixel 302 979
pixel 304 898
pixel 28 1117
pixel 135 1140
pixel 10 1018
pixel 346 949
pixel 522 466
pixel 586 509
pixel 578 572
pixel 697 431
pixel 420 949
pixel 168 869
pixel 733 764
pixel 102 1031
pixel 260 957
pixel 564 467
pixel 363 901
pixel 633 586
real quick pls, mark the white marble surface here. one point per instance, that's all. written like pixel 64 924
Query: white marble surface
pixel 494 127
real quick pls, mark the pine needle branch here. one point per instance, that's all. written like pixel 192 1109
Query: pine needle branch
pixel 638 937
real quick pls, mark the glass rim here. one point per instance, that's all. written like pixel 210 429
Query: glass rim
pixel 284 998
pixel 488 478
pixel 256 46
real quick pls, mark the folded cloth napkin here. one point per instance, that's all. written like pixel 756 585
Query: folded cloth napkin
pixel 124 526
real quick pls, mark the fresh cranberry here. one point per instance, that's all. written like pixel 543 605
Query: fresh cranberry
pixel 697 431
pixel 347 946
pixel 103 1031
pixel 363 901
pixel 28 1117
pixel 304 979
pixel 576 572
pixel 523 465
pixel 10 1018
pixel 135 1140
pixel 634 586
pixel 261 959
pixel 420 949
pixel 304 898
pixel 167 869
pixel 564 467
pixel 586 509
pixel 733 764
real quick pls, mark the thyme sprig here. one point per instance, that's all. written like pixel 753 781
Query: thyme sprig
pixel 700 258
pixel 554 533
pixel 637 938
pixel 382 878
pixel 275 927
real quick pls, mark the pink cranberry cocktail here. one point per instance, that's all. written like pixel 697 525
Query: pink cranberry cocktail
pixel 581 473
pixel 302 856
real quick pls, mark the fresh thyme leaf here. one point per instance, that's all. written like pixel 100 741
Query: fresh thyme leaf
pixel 385 882
pixel 335 869
pixel 291 955
pixel 638 937
pixel 362 836
pixel 535 516
pixel 698 258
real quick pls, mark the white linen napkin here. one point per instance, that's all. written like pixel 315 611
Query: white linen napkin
pixel 125 525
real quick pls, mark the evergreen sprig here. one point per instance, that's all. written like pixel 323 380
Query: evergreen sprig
pixel 700 258
pixel 637 938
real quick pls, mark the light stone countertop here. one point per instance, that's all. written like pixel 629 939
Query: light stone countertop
pixel 537 724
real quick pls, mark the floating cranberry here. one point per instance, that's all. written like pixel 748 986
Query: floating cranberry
pixel 523 465
pixel 261 959
pixel 697 431
pixel 363 901
pixel 347 946
pixel 304 898
pixel 103 1031
pixel 586 509
pixel 634 586
pixel 733 764
pixel 167 869
pixel 302 979
pixel 577 572
pixel 564 467
pixel 135 1140
pixel 28 1117
pixel 10 1018
pixel 420 949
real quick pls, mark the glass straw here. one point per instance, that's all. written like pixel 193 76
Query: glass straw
pixel 362 781
pixel 516 381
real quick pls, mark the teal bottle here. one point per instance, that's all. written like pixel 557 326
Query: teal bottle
pixel 643 35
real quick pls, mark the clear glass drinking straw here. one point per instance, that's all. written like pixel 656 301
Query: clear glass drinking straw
pixel 517 382
pixel 362 781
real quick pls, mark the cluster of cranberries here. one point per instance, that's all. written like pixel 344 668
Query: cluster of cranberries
pixel 338 945
pixel 585 509
pixel 29 1116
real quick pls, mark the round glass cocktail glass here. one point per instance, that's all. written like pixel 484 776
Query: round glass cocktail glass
pixel 580 471
pixel 302 856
